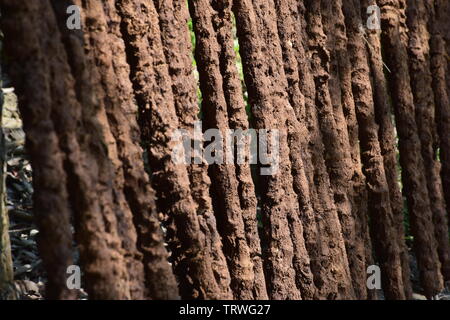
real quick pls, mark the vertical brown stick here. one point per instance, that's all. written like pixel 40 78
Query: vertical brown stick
pixel 6 264
pixel 108 178
pixel 176 41
pixel 394 41
pixel 298 142
pixel 266 83
pixel 336 154
pixel 311 181
pixel 237 119
pixel 299 79
pixel 159 119
pixel 379 205
pixel 387 137
pixel 24 37
pixel 346 175
pixel 226 186
pixel 418 15
pixel 440 69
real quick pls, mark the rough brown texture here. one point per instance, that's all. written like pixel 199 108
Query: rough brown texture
pixel 6 263
pixel 286 258
pixel 25 37
pixel 116 96
pixel 440 70
pixel 299 139
pixel 394 40
pixel 81 181
pixel 344 164
pixel 108 180
pixel 215 106
pixel 94 201
pixel 104 73
pixel 323 118
pixel 418 15
pixel 387 136
pixel 176 43
pixel 310 178
pixel 91 98
pixel 237 119
pixel 158 118
pixel 442 15
pixel 383 228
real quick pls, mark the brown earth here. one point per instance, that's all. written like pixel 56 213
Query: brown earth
pixel 51 204
pixel 418 15
pixel 283 234
pixel 100 106
pixel 344 164
pixel 238 119
pixel 158 116
pixel 439 67
pixel 379 202
pixel 394 39
pixel 387 137
pixel 323 120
